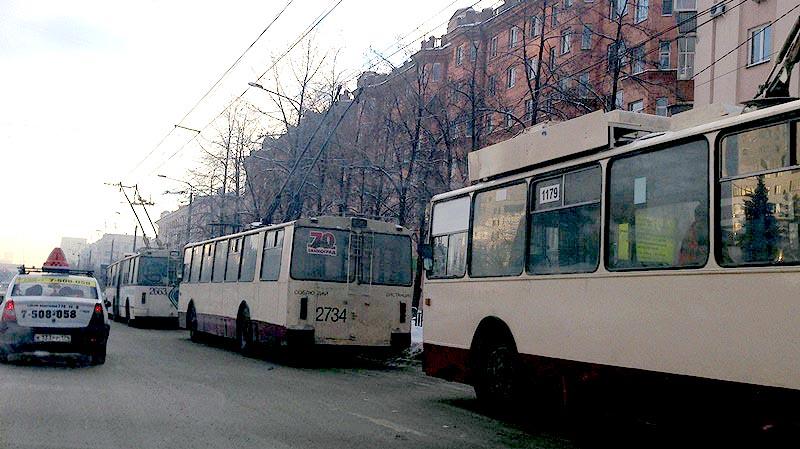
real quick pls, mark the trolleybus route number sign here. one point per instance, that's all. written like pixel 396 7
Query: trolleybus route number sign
pixel 550 194
pixel 321 243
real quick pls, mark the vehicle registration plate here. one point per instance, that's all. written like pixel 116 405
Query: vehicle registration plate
pixel 52 338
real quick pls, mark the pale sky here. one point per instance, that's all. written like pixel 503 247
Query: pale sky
pixel 88 88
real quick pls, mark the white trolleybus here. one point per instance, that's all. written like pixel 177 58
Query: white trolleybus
pixel 577 252
pixel 327 281
pixel 143 287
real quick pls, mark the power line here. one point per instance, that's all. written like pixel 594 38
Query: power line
pixel 744 42
pixel 216 83
pixel 300 38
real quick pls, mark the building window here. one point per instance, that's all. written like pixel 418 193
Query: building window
pixel 513 37
pixel 619 100
pixel 663 55
pixel 618 9
pixel 760 44
pixel 636 106
pixel 554 16
pixel 567 3
pixel 449 232
pixel 529 111
pixel 492 85
pixel 509 118
pixel 685 5
pixel 437 71
pixel 473 51
pixel 661 106
pixel 489 122
pixel 641 10
pixel 536 26
pixel 511 77
pixel 686 57
pixel 687 21
pixel 617 56
pixel 637 60
pixel 566 41
pixel 586 38
pixel 658 208
pixel 459 54
pixel 493 47
pixel 583 85
pixel 565 223
pixel 666 7
pixel 498 232
pixel 533 66
pixel 552 58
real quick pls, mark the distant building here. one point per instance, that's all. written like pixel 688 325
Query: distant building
pixel 96 256
pixel 738 49
pixel 211 216
pixel 73 247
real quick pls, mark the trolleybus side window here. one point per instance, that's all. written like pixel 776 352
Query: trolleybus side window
pixel 387 259
pixel 208 262
pixel 271 256
pixel 134 268
pixel 197 260
pixel 449 232
pixel 249 255
pixel 187 263
pixel 658 208
pixel 124 272
pixel 220 254
pixel 759 204
pixel 565 223
pixel 234 256
pixel 498 231
pixel 320 254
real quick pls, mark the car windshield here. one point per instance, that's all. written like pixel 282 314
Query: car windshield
pixel 55 286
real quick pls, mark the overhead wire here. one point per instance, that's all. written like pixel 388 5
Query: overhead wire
pixel 216 83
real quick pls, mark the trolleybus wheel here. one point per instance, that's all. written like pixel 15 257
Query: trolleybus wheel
pixel 191 324
pixel 244 332
pixel 128 320
pixel 496 379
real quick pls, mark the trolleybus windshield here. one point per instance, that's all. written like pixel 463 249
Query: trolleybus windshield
pixel 154 271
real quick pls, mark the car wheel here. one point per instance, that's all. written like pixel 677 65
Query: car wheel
pixel 98 357
pixel 191 324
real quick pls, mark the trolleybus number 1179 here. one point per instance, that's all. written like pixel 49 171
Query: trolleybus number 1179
pixel 332 314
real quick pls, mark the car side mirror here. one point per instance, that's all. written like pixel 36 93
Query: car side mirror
pixel 426 252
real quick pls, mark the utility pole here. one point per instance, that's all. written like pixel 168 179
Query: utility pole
pixel 189 217
pixel 135 231
pixel 111 253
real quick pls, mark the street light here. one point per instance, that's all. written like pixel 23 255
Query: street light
pixel 259 86
pixel 191 199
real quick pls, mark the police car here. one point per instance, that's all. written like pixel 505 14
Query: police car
pixel 54 310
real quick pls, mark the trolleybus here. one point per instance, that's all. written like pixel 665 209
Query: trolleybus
pixel 143 287
pixel 326 281
pixel 622 243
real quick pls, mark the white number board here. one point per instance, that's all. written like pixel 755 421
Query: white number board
pixel 550 194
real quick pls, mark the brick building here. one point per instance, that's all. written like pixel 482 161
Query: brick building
pixel 496 71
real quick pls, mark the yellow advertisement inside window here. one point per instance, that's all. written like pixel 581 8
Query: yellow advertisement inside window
pixel 623 242
pixel 655 237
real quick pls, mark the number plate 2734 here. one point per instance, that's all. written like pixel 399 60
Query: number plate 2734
pixel 331 314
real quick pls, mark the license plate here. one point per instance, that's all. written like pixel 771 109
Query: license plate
pixel 52 338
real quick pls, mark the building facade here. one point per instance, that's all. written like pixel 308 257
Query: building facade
pixel 211 216
pixel 737 50
pixel 96 256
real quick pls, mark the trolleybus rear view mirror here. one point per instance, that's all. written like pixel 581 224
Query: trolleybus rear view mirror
pixel 426 251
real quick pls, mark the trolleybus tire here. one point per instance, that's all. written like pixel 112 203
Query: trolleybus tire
pixel 244 332
pixel 496 380
pixel 191 324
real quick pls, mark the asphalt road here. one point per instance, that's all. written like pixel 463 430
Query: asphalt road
pixel 158 389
